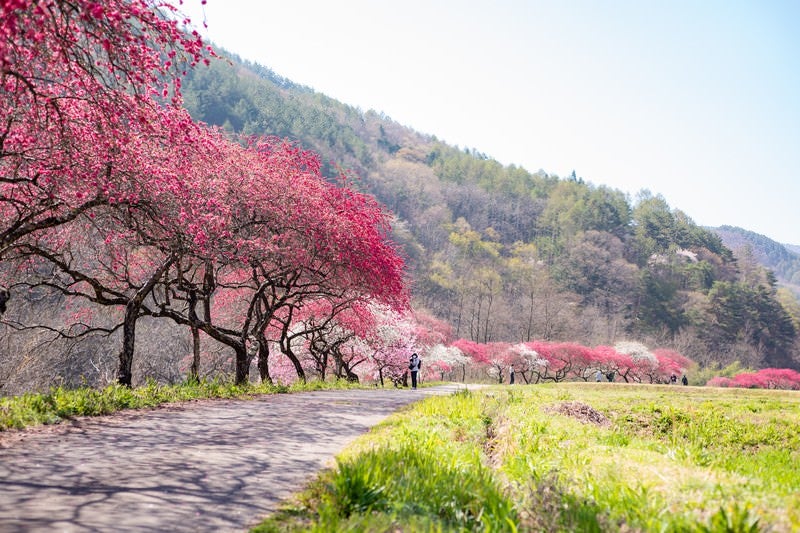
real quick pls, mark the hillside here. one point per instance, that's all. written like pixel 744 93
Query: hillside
pixel 505 254
pixel 781 259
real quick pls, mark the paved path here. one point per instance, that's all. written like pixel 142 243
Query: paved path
pixel 200 466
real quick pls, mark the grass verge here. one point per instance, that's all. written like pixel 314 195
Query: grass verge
pixel 19 412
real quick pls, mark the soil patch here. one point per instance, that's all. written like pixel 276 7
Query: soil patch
pixel 583 412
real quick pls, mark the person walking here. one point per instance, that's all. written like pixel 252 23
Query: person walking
pixel 511 375
pixel 414 365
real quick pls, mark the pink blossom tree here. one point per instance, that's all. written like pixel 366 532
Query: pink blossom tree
pixel 525 361
pixel 391 344
pixel 117 253
pixel 583 360
pixel 430 330
pixel 288 237
pixel 444 360
pixel 719 381
pixel 670 363
pixel 67 135
pixel 766 378
pixel 555 361
pixel 477 353
pixel 82 136
pixel 102 143
pixel 642 361
pixel 611 363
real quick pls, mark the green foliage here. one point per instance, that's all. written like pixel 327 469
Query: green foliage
pixel 573 206
pixel 734 519
pixel 740 312
pixel 660 305
pixel 667 449
pixel 407 479
pixel 701 376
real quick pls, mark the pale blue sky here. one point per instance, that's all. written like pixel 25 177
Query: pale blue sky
pixel 698 101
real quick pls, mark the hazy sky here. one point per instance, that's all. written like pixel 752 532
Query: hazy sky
pixel 698 101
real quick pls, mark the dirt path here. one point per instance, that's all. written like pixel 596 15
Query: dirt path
pixel 201 466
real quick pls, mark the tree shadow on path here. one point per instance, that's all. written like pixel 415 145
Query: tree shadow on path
pixel 201 466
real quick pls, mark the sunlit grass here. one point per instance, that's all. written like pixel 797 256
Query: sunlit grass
pixel 655 458
pixel 672 458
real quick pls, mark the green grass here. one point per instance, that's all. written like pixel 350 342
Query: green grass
pixel 396 478
pixel 515 459
pixel 19 412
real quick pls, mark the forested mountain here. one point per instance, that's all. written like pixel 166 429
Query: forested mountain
pixel 502 253
pixel 783 261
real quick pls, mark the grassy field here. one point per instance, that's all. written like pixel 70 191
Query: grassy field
pixel 568 457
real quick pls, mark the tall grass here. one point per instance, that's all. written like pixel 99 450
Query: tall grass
pixel 568 457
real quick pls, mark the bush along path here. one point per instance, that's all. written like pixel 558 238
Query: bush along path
pixel 210 465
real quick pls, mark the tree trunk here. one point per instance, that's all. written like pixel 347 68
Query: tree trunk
pixel 5 296
pixel 531 309
pixel 132 308
pixel 301 374
pixel 125 372
pixel 263 361
pixel 194 371
pixel 242 364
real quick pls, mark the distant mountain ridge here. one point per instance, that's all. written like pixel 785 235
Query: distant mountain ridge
pixel 794 248
pixel 782 259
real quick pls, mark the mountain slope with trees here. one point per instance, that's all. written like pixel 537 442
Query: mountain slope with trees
pixel 780 258
pixel 502 253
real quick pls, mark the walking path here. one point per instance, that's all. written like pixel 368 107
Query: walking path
pixel 212 465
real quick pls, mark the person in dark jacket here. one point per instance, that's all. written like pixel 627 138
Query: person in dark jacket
pixel 414 365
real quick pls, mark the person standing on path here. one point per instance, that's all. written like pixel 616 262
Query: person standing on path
pixel 414 365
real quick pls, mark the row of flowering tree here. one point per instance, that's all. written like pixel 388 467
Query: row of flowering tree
pixel 766 378
pixel 111 195
pixel 540 361
pixel 372 343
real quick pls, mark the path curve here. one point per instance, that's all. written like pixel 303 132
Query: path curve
pixel 211 465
